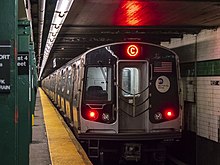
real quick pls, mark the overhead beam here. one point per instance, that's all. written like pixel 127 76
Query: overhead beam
pixel 66 29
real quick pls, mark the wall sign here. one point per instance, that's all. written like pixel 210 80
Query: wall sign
pixel 23 64
pixel 5 67
pixel 212 82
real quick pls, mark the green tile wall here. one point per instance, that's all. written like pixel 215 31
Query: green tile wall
pixel 204 68
pixel 187 69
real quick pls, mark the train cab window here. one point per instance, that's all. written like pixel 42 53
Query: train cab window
pixel 130 81
pixel 98 83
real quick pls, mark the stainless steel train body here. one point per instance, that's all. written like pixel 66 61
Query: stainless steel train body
pixel 128 92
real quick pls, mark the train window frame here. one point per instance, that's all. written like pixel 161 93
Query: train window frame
pixel 108 78
pixel 129 93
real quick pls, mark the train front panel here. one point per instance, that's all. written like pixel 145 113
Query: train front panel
pixel 131 89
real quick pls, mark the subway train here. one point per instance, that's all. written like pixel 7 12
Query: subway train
pixel 123 99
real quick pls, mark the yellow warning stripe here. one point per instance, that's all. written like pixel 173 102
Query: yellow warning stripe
pixel 60 139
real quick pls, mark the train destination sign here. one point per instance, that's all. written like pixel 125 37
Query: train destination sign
pixel 5 67
pixel 23 64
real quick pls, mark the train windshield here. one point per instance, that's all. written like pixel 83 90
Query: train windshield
pixel 98 83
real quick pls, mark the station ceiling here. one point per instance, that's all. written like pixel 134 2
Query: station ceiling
pixel 90 23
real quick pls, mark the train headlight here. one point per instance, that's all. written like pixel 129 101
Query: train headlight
pixel 105 117
pixel 93 114
pixel 158 116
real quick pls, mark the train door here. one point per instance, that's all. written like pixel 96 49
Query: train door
pixel 68 93
pixel 59 89
pixel 133 96
pixel 55 88
pixel 75 94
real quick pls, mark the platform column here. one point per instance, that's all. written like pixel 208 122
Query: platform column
pixel 24 95
pixel 8 83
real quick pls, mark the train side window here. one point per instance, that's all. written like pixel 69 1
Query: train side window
pixel 130 81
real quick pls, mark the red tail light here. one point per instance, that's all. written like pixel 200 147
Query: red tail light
pixel 169 113
pixel 93 114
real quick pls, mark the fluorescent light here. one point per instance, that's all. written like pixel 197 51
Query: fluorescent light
pixel 58 18
pixel 60 13
pixel 63 5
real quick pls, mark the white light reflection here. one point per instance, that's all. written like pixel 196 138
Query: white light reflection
pixel 60 13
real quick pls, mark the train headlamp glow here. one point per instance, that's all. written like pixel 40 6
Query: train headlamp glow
pixel 132 50
pixel 93 114
pixel 169 113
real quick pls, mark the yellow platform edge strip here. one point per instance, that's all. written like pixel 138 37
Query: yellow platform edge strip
pixel 63 146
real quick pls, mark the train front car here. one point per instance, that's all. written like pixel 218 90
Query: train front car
pixel 131 97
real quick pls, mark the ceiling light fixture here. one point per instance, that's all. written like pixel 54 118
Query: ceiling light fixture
pixel 59 16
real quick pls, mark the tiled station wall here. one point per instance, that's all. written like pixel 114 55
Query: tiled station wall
pixel 200 70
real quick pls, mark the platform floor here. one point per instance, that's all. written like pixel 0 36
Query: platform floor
pixel 52 141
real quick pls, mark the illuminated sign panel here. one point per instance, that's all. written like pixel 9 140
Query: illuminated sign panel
pixel 132 50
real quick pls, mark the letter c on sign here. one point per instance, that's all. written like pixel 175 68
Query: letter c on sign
pixel 132 50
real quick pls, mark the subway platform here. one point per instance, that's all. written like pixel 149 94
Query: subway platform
pixel 52 141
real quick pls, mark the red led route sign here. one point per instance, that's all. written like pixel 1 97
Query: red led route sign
pixel 132 50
